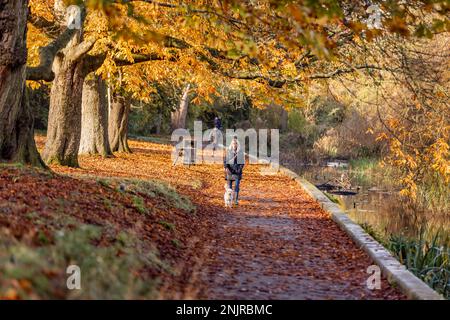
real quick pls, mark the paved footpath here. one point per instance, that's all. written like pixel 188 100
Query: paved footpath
pixel 279 244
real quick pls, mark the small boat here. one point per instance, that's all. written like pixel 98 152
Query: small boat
pixel 343 192
pixel 326 186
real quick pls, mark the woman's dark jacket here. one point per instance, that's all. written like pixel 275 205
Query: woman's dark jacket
pixel 234 162
pixel 218 123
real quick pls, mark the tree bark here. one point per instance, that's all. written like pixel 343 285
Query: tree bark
pixel 16 120
pixel 283 119
pixel 158 123
pixel 178 116
pixel 118 124
pixel 64 121
pixel 94 117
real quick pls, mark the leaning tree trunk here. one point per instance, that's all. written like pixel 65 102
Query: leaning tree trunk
pixel 94 117
pixel 178 116
pixel 16 121
pixel 118 124
pixel 64 121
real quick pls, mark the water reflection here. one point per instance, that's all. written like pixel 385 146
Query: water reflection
pixel 377 204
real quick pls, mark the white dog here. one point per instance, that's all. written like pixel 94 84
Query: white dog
pixel 228 196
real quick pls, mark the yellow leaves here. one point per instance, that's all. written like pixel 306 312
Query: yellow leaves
pixel 420 149
pixel 289 70
pixel 17 289
pixel 11 294
pixel 382 136
pixel 42 9
pixel 196 100
pixel 410 186
pixel 393 123
pixel 36 40
pixel 439 153
pixel 96 22
pixel 397 25
pixel 296 12
pixel 33 84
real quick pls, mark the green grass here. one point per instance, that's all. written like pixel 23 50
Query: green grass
pixel 12 165
pixel 107 272
pixel 364 164
pixel 154 188
pixel 108 204
pixel 368 171
pixel 176 243
pixel 428 260
pixel 103 182
pixel 433 193
pixel 372 232
pixel 150 188
pixel 139 204
pixel 167 225
pixel 160 139
pixel 332 198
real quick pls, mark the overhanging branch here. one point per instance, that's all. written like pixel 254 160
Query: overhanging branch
pixel 233 21
pixel 339 72
pixel 50 28
pixel 46 56
pixel 81 49
pixel 278 82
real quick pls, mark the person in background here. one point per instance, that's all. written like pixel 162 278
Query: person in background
pixel 217 123
pixel 234 165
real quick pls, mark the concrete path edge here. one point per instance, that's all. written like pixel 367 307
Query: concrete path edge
pixel 396 273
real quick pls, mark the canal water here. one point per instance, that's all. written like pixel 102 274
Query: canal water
pixel 372 203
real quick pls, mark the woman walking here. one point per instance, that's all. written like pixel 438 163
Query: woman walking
pixel 234 164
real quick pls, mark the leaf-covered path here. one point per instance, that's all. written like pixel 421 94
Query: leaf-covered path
pixel 277 244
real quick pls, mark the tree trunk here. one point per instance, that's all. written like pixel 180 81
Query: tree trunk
pixel 283 120
pixel 94 117
pixel 118 124
pixel 158 123
pixel 16 121
pixel 64 121
pixel 179 116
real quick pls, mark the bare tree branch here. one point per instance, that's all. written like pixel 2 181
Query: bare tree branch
pixel 235 22
pixel 278 82
pixel 81 49
pixel 339 72
pixel 47 54
pixel 50 28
